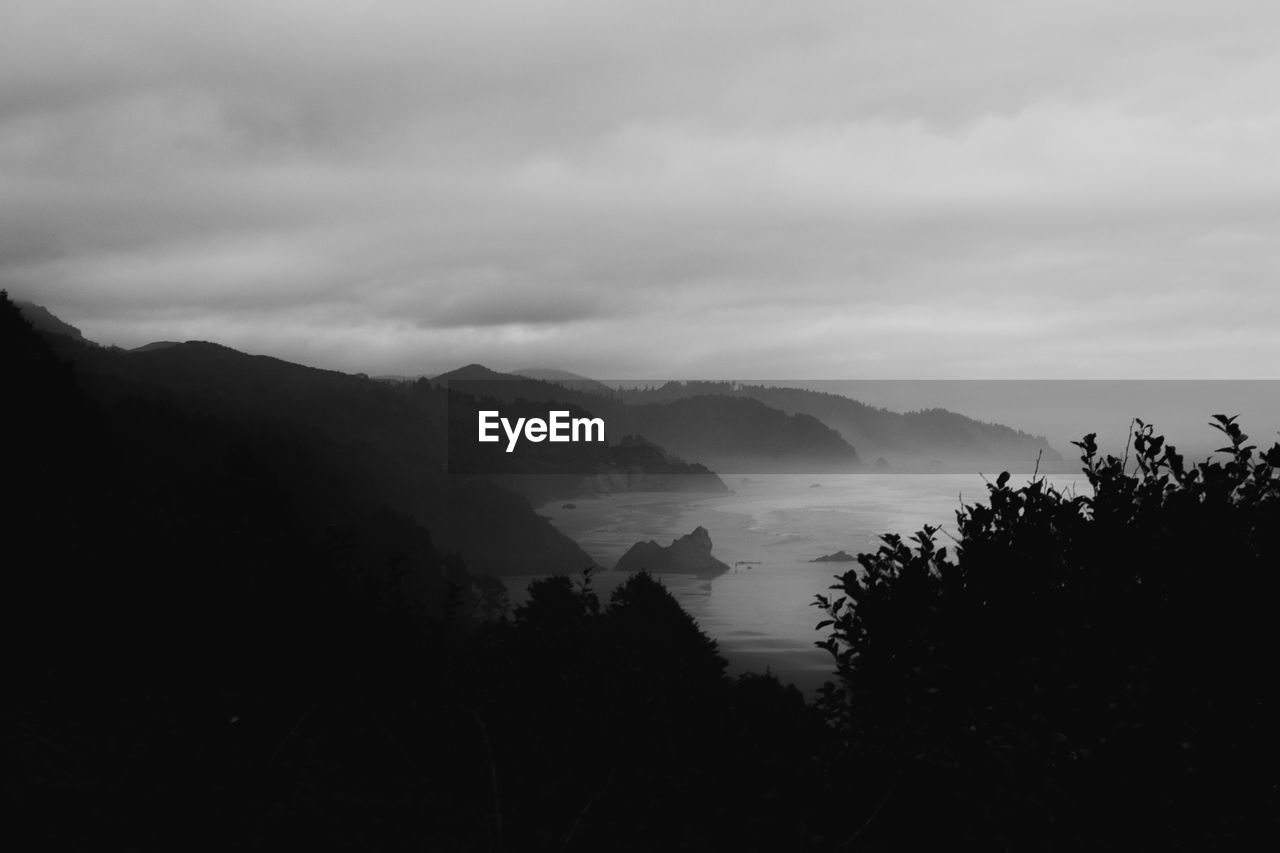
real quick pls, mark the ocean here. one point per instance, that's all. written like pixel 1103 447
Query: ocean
pixel 774 526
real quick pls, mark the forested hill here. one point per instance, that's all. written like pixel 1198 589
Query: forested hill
pixel 739 434
pixel 726 432
pixel 932 433
pixel 44 320
pixel 334 445
pixel 903 438
pixel 227 629
pixel 722 427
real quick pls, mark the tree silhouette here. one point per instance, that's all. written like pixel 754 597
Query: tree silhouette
pixel 1094 669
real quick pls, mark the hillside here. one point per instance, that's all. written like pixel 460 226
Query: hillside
pixel 44 320
pixel 725 432
pixel 546 470
pixel 744 435
pixel 216 626
pixel 565 379
pixel 907 439
pixel 374 444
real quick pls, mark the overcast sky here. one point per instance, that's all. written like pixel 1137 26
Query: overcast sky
pixel 986 189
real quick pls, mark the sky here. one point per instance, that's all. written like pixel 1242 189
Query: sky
pixel 816 188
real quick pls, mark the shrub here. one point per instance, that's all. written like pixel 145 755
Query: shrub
pixel 1093 668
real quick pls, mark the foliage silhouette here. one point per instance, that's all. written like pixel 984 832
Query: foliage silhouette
pixel 1086 670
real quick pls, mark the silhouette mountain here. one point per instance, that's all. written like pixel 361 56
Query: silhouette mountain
pixel 904 439
pixel 44 320
pixel 565 379
pixel 155 345
pixel 740 434
pixel 385 444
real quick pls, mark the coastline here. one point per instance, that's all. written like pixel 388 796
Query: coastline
pixel 761 614
pixel 758 614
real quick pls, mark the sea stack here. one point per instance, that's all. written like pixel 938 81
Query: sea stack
pixel 690 554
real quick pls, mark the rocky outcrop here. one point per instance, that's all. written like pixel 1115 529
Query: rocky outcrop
pixel 689 554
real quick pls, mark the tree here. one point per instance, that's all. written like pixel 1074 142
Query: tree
pixel 1092 668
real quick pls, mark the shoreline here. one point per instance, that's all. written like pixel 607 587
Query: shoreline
pixel 761 616
pixel 605 527
pixel 741 610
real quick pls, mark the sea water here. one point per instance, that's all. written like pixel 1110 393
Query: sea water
pixel 769 529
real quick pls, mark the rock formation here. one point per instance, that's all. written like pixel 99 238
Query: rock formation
pixel 689 554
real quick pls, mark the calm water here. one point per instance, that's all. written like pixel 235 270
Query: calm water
pixel 761 614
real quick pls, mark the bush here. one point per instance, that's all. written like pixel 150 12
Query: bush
pixel 1086 669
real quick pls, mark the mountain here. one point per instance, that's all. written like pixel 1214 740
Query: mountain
pixel 226 609
pixel 906 440
pixel 43 320
pixel 565 379
pixel 728 435
pixel 725 432
pixel 546 470
pixel 740 434
pixel 635 464
pixel 475 373
pixel 369 444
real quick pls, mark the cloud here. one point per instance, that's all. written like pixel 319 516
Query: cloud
pixel 660 188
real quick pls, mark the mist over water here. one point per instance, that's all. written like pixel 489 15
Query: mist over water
pixel 773 527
